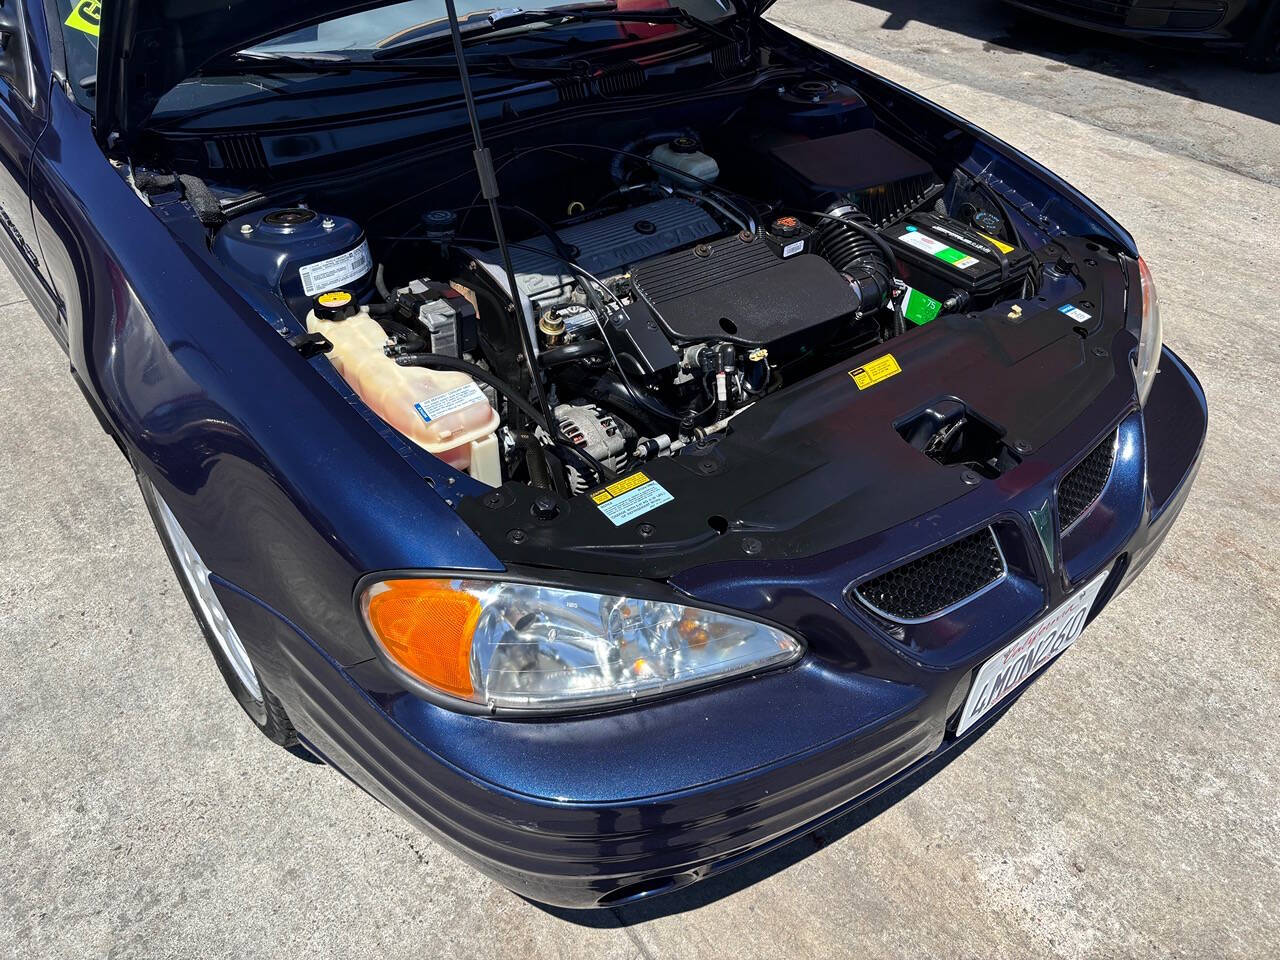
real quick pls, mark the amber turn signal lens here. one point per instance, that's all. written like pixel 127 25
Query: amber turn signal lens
pixel 426 627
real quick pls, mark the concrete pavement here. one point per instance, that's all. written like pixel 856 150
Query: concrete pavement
pixel 1126 806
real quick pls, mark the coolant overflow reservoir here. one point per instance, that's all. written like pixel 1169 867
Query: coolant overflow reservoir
pixel 443 411
pixel 682 161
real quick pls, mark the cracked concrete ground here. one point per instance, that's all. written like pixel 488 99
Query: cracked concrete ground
pixel 1126 805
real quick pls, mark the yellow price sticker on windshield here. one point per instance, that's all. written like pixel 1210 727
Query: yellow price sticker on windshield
pixel 86 16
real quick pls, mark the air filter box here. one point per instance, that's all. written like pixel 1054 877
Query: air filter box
pixel 939 255
pixel 882 178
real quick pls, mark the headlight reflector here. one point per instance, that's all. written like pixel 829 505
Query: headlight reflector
pixel 520 645
pixel 1151 338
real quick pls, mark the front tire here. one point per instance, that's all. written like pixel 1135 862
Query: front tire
pixel 258 702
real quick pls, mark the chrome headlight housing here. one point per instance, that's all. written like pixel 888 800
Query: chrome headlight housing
pixel 527 646
pixel 1150 337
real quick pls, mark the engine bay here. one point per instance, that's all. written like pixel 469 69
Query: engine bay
pixel 662 279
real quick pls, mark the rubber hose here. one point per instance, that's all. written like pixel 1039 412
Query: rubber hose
pixel 848 241
pixel 572 352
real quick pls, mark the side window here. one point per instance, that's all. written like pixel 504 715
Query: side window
pixel 15 57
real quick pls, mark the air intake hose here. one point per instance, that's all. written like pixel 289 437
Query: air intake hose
pixel 850 243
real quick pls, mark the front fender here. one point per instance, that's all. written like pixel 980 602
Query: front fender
pixel 283 487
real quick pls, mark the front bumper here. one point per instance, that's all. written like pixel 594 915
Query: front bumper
pixel 598 810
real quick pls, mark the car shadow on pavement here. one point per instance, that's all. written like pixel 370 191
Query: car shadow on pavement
pixel 1194 72
pixel 752 872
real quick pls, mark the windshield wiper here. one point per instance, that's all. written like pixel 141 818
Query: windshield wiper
pixel 304 60
pixel 604 10
pixel 268 62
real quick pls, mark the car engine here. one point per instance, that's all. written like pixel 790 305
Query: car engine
pixel 655 314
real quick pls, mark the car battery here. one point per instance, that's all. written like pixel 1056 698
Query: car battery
pixel 940 256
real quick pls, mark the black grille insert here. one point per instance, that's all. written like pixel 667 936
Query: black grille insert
pixel 1083 485
pixel 931 584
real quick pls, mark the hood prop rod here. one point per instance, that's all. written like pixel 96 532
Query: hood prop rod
pixel 489 189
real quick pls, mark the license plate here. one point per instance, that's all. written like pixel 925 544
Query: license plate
pixel 1010 668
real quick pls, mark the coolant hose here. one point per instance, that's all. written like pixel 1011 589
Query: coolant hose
pixel 572 352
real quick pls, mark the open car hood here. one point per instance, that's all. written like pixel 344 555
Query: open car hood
pixel 147 47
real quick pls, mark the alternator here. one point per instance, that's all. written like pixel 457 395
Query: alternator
pixel 596 432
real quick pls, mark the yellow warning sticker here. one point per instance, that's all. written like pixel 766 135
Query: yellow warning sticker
pixel 619 487
pixel 630 497
pixel 882 368
pixel 998 244
pixel 86 16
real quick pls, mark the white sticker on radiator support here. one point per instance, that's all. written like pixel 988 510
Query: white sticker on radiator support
pixel 334 272
pixel 630 497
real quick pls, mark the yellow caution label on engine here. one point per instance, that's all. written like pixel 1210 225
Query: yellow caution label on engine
pixel 85 16
pixel 882 368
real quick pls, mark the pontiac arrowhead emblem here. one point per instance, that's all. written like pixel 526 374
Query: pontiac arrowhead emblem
pixel 1042 520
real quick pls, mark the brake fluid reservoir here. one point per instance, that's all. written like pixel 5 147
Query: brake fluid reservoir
pixel 443 411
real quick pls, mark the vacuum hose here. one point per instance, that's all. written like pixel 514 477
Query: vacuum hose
pixel 848 241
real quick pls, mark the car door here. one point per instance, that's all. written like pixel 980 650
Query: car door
pixel 24 79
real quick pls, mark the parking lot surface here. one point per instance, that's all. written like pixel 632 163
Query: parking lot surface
pixel 1125 806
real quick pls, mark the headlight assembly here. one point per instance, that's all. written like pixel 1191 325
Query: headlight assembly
pixel 1150 339
pixel 527 646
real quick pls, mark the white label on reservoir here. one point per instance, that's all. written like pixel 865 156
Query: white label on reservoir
pixel 334 272
pixel 443 404
pixel 940 250
pixel 796 246
pixel 1075 313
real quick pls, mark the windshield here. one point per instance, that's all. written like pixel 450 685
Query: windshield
pixel 387 26
pixel 351 35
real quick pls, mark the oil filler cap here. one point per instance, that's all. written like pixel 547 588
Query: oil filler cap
pixel 336 305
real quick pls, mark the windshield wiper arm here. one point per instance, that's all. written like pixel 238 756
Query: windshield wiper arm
pixel 605 10
pixel 251 61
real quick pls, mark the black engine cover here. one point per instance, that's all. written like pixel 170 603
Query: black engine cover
pixel 743 291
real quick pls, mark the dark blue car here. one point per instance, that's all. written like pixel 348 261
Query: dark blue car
pixel 1250 28
pixel 619 457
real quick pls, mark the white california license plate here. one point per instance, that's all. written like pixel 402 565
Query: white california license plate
pixel 1009 669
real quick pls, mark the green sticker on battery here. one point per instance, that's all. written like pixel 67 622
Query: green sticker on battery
pixel 951 255
pixel 919 307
